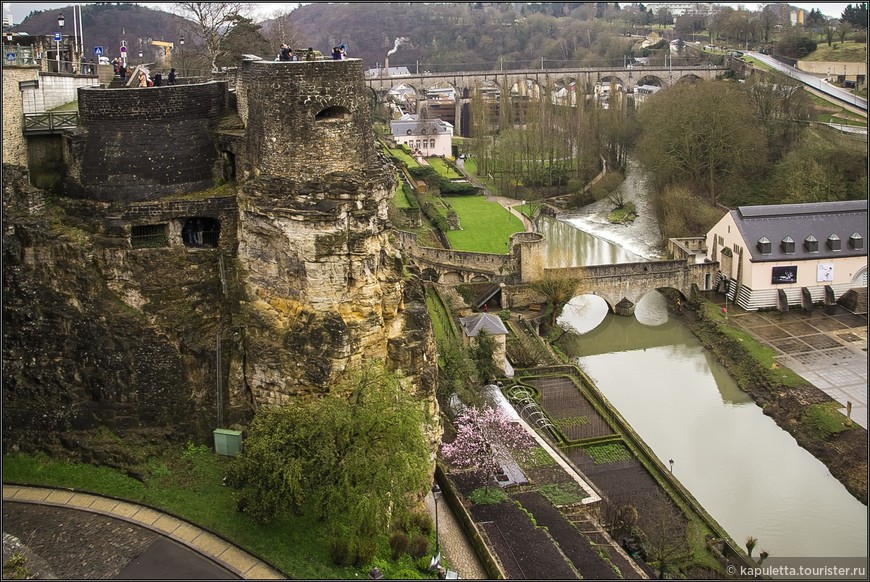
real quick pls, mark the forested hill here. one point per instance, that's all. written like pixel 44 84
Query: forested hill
pixel 464 33
pixel 106 24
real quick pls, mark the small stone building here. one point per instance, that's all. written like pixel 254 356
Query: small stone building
pixel 492 325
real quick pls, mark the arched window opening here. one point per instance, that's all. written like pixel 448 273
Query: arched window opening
pixel 148 236
pixel 201 232
pixel 333 113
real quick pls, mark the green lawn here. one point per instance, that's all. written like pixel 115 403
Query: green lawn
pixel 442 168
pixel 400 154
pixel 488 225
pixel 400 200
pixel 187 482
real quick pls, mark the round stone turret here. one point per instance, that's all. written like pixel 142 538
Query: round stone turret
pixel 313 226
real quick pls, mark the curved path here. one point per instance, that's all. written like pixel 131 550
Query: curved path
pixel 172 532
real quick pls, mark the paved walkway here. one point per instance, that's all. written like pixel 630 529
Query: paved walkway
pixel 827 348
pixel 455 546
pixel 216 549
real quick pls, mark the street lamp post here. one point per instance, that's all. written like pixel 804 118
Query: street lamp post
pixel 671 461
pixel 436 560
pixel 60 22
pixel 181 42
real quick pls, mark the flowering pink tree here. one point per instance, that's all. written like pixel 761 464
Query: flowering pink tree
pixel 484 439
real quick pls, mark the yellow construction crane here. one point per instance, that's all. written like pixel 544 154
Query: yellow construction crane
pixel 167 51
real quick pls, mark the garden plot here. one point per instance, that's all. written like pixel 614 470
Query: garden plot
pixel 572 414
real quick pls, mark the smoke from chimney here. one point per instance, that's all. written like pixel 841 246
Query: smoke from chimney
pixel 399 41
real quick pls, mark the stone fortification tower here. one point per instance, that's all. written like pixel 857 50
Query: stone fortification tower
pixel 324 284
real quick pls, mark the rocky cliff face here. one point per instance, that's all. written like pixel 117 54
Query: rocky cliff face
pixel 96 336
pixel 324 283
pixel 113 320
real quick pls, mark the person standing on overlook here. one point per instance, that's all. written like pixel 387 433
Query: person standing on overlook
pixel 172 76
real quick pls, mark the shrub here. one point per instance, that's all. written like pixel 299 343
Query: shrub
pixel 366 548
pixel 398 544
pixel 422 521
pixel 419 546
pixel 796 46
pixel 487 496
pixel 339 550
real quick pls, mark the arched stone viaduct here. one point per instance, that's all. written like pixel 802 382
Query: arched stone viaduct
pixel 466 82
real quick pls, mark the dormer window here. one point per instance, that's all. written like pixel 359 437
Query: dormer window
pixel 856 241
pixel 787 245
pixel 763 245
pixel 811 244
pixel 834 243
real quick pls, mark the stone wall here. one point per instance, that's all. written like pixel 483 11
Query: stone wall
pixel 54 89
pixel 310 119
pixel 141 144
pixel 14 144
pixel 98 335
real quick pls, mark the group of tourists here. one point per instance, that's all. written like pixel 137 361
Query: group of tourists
pixel 289 54
pixel 339 52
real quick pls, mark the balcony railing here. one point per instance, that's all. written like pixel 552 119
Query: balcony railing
pixel 46 122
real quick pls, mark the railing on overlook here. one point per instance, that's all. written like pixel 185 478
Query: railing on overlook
pixel 47 122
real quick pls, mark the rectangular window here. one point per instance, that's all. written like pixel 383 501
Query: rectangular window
pixel 148 236
pixel 431 143
pixel 736 249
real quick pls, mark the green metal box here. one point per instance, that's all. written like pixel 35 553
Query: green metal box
pixel 227 442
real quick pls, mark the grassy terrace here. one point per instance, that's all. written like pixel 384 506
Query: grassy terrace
pixel 401 154
pixel 401 197
pixel 499 223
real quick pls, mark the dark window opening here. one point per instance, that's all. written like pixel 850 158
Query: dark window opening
pixel 336 112
pixel 148 236
pixel 200 232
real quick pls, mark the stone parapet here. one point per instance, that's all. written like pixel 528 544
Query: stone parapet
pixel 142 144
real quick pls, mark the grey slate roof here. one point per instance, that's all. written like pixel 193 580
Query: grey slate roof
pixel 400 126
pixel 492 324
pixel 800 222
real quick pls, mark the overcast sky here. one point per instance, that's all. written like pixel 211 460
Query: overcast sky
pixel 19 10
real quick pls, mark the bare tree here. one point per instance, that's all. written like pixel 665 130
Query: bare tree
pixel 279 30
pixel 211 22
pixel 665 532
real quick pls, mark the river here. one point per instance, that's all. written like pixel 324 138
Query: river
pixel 749 474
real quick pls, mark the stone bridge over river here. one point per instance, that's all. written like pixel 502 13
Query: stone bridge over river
pixel 621 285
